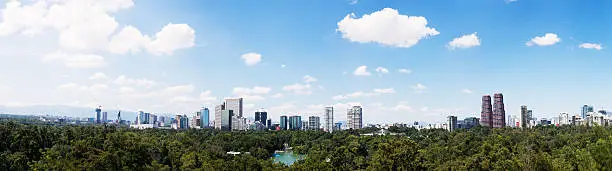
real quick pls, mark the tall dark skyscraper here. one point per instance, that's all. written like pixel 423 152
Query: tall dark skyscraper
pixel 283 122
pixel 262 117
pixel 499 113
pixel 98 113
pixel 486 115
pixel 524 117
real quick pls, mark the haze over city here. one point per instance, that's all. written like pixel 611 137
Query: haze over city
pixel 400 60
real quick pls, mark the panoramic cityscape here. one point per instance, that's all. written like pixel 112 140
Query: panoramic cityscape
pixel 305 85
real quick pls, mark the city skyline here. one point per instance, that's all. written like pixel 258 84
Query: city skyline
pixel 131 55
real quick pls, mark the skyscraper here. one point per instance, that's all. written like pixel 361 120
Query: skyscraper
pixel 98 113
pixel 262 117
pixel 524 117
pixel 295 122
pixel 499 112
pixel 226 120
pixel 314 122
pixel 328 118
pixel 585 110
pixel 269 124
pixel 353 117
pixel 283 122
pixel 452 123
pixel 235 105
pixel 104 117
pixel 204 118
pixel 218 115
pixel 486 115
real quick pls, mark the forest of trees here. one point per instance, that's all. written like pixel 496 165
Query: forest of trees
pixel 43 147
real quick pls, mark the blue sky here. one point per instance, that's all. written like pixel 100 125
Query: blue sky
pixel 176 56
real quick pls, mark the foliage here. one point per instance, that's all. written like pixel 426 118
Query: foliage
pixel 45 147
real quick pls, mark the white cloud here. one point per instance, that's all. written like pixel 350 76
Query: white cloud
pixel 76 60
pixel 404 71
pixel 381 70
pixel 309 79
pixel 510 1
pixel 179 89
pixel 467 91
pixel 251 59
pixel 353 2
pixel 297 88
pixel 98 76
pixel 403 107
pixel 546 40
pixel 419 88
pixel 591 46
pixel 362 71
pixel 126 90
pixel 278 95
pixel 463 42
pixel 124 81
pixel 172 37
pixel 129 39
pixel 283 66
pixel 386 27
pixel 251 93
pixel 375 92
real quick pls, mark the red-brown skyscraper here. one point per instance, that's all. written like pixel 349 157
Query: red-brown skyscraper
pixel 486 115
pixel 499 113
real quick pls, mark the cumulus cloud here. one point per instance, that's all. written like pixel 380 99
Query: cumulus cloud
pixel 381 70
pixel 76 60
pixel 172 37
pixel 419 88
pixel 251 59
pixel 465 41
pixel 375 92
pixel 467 91
pixel 309 79
pixel 546 40
pixel 404 71
pixel 98 76
pixel 386 27
pixel 298 88
pixel 362 71
pixel 278 95
pixel 122 80
pixel 254 93
pixel 591 46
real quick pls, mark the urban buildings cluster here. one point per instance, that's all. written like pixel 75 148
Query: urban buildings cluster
pixel 230 116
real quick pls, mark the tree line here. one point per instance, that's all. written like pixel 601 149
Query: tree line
pixel 72 147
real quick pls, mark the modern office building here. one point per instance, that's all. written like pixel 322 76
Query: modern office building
pixel 234 104
pixel 98 113
pixel 353 117
pixel 452 123
pixel 283 122
pixel 269 124
pixel 328 119
pixel 305 125
pixel 226 120
pixel 499 111
pixel 585 110
pixel 314 122
pixel 218 115
pixel 204 118
pixel 295 122
pixel 104 117
pixel 486 114
pixel 262 117
pixel 525 117
pixel 337 126
pixel 470 122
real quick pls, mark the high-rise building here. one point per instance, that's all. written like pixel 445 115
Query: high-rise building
pixel 98 113
pixel 305 125
pixel 184 124
pixel 283 122
pixel 204 118
pixel 524 117
pixel 225 122
pixel 470 122
pixel 328 118
pixel 295 122
pixel 218 115
pixel 585 110
pixel 452 123
pixel 269 124
pixel 486 114
pixel 119 117
pixel 314 122
pixel 104 117
pixel 235 105
pixel 353 117
pixel 337 126
pixel 499 111
pixel 262 117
